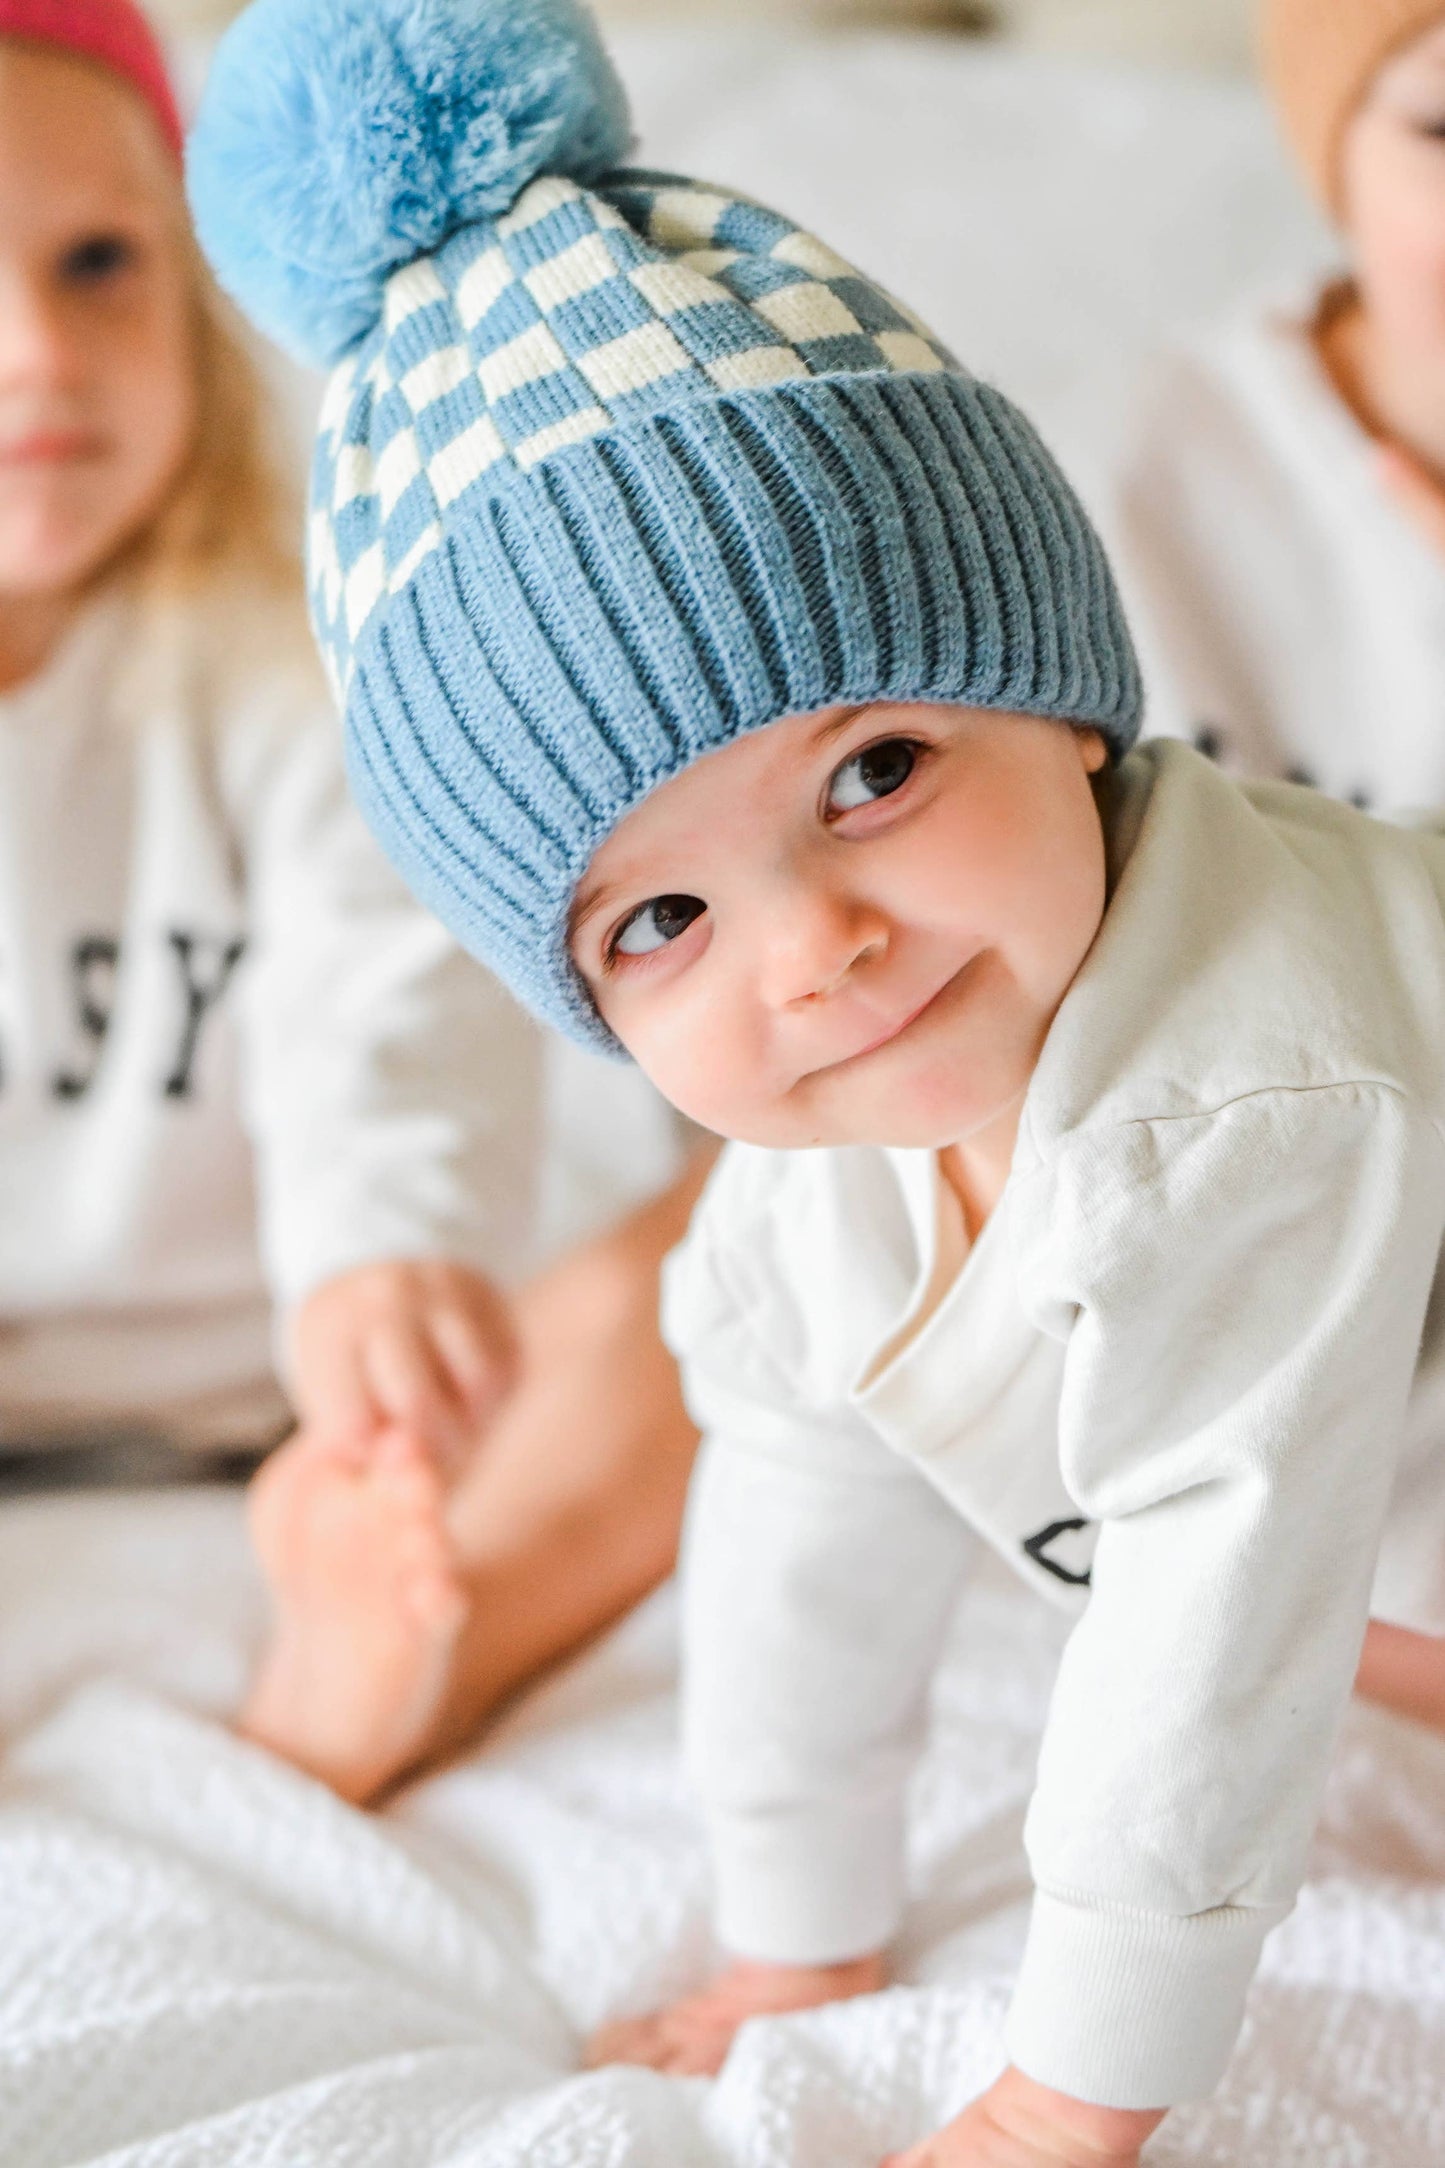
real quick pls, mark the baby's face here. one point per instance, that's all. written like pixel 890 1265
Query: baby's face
pixel 1394 208
pixel 853 927
pixel 97 395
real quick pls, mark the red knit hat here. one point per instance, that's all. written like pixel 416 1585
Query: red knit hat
pixel 111 32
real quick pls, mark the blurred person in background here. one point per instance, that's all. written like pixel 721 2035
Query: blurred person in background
pixel 1276 505
pixel 259 1120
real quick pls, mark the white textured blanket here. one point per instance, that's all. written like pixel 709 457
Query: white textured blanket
pixel 206 1959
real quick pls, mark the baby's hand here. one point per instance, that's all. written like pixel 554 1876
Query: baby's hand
pixel 416 1344
pixel 691 2038
pixel 1019 2124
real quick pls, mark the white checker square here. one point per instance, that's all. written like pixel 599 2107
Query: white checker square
pixel 435 376
pixel 397 467
pixel 537 202
pixel 425 543
pixel 709 261
pixel 414 287
pixel 354 475
pixel 325 564
pixel 905 350
pixel 757 367
pixel 577 270
pixel 667 287
pixel 806 253
pixel 336 399
pixel 482 285
pixel 365 586
pixel 522 360
pixel 637 359
pixel 807 311
pixel 458 464
pixel 574 430
pixel 686 217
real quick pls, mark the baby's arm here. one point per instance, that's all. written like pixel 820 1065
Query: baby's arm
pixel 1246 1291
pixel 820 1573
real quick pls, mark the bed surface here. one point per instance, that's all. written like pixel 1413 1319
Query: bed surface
pixel 206 1959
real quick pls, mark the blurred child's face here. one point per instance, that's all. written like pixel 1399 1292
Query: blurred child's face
pixel 96 359
pixel 853 927
pixel 1394 209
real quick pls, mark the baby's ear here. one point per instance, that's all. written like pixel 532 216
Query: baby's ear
pixel 1093 751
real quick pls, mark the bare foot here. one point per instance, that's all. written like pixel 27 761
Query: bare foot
pixel 693 2036
pixel 369 1605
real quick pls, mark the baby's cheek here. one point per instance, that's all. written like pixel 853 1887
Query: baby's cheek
pixel 702 1063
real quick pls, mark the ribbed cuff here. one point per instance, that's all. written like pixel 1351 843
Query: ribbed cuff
pixel 1133 2009
pixel 808 1887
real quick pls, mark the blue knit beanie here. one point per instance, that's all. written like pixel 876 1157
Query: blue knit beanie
pixel 613 466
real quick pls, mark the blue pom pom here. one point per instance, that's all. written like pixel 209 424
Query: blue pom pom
pixel 339 139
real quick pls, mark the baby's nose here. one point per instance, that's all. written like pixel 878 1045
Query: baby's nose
pixel 817 946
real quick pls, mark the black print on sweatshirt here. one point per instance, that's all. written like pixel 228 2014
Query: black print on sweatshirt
pixel 93 961
pixel 1038 1550
pixel 205 966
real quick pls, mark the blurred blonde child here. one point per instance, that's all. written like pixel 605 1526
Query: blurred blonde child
pixel 1276 502
pixel 268 1141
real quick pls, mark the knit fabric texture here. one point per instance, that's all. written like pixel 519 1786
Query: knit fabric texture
pixel 112 33
pixel 630 471
pixel 1320 57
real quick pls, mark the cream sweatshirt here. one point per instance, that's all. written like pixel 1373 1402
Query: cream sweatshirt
pixel 1290 618
pixel 1169 1384
pixel 235 1058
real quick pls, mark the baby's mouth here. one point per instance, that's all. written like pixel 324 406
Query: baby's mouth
pixel 897 1029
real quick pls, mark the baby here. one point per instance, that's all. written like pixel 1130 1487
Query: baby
pixel 740 677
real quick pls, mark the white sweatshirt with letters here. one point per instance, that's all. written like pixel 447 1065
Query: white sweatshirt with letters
pixel 1171 1383
pixel 1290 618
pixel 235 1057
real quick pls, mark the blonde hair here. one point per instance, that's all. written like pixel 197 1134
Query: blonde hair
pixel 1320 57
pixel 232 511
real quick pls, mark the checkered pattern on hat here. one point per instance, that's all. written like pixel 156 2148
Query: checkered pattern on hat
pixel 578 312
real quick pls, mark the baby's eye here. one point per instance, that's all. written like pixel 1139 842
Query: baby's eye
pixel 652 925
pixel 876 772
pixel 100 256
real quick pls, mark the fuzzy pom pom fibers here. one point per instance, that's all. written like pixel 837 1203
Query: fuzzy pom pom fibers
pixel 340 138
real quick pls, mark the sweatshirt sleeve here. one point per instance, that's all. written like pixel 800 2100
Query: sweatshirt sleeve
pixel 1243 1294
pixel 819 1575
pixel 392 1087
